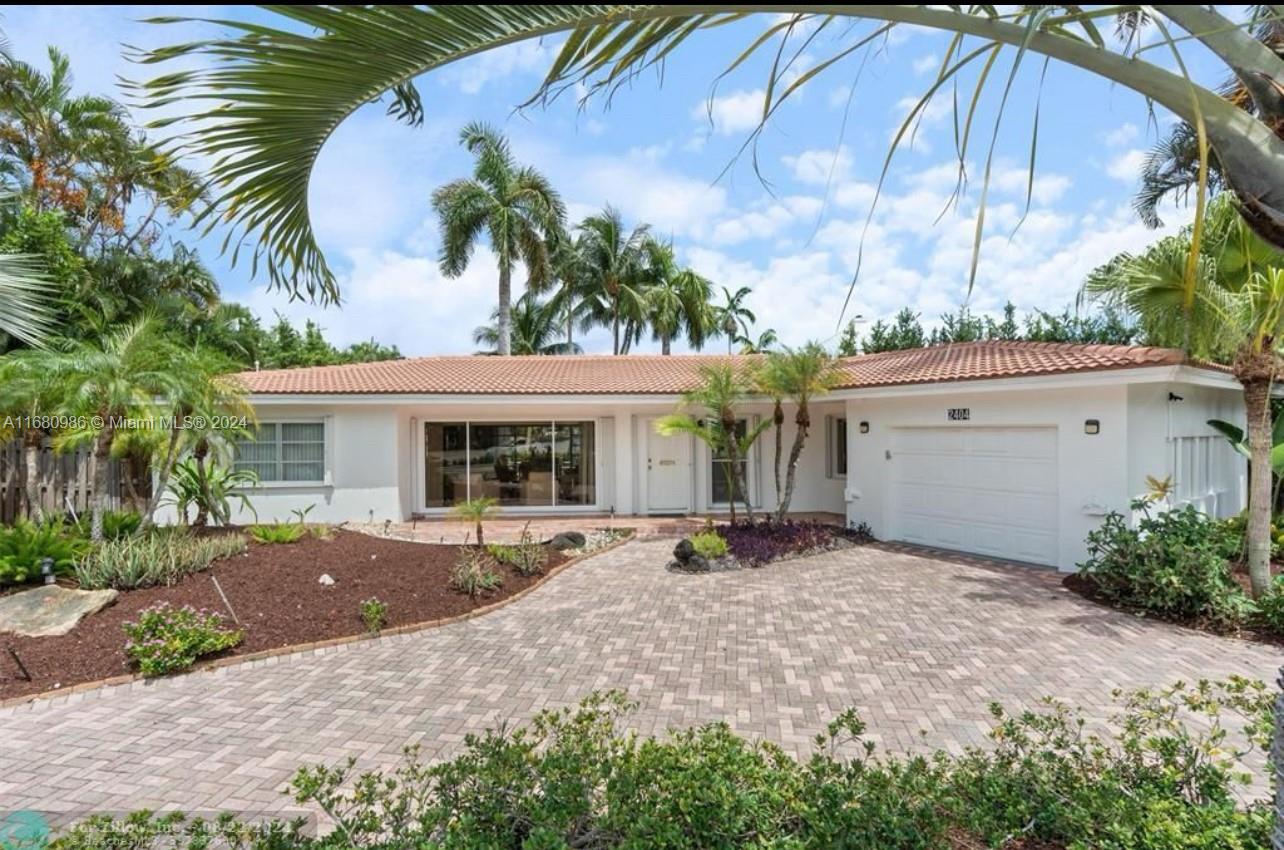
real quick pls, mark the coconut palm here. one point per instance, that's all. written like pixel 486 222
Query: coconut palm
pixel 733 317
pixel 799 374
pixel 614 259
pixel 259 104
pixel 536 328
pixel 721 391
pixel 676 300
pixel 1236 316
pixel 514 205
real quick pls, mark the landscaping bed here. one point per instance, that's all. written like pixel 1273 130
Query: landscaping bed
pixel 722 548
pixel 276 593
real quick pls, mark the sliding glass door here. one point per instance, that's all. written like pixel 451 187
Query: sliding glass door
pixel 536 464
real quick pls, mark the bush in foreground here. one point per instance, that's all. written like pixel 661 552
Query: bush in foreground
pixel 164 556
pixel 166 640
pixel 25 545
pixel 755 544
pixel 574 779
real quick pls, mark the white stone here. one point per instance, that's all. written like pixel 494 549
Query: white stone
pixel 326 579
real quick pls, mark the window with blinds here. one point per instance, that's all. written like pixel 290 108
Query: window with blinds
pixel 284 452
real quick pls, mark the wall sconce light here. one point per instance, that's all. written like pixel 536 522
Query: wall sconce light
pixel 1092 426
pixel 864 427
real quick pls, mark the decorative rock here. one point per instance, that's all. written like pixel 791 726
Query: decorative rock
pixel 50 610
pixel 326 580
pixel 567 540
pixel 684 551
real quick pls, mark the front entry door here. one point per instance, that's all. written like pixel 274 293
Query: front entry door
pixel 668 472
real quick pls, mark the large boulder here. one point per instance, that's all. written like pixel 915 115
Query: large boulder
pixel 684 551
pixel 567 540
pixel 50 610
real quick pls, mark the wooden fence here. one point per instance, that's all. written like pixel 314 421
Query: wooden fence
pixel 66 482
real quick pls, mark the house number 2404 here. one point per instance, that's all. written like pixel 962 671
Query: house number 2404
pixel 958 414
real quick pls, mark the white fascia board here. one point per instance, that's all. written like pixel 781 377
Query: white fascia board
pixel 570 399
pixel 1102 378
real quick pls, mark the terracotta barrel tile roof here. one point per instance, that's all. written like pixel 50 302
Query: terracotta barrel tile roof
pixel 645 374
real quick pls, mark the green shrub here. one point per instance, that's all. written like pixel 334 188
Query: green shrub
pixel 472 574
pixel 163 557
pixel 374 614
pixel 116 524
pixel 278 532
pixel 576 778
pixel 1174 564
pixel 25 545
pixel 527 556
pixel 709 545
pixel 1270 608
pixel 167 640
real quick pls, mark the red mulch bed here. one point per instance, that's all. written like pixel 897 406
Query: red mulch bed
pixel 275 592
pixel 1087 588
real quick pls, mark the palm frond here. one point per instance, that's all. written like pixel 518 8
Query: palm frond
pixel 26 311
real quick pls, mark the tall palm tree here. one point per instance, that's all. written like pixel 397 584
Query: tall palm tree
pixel 574 284
pixel 513 204
pixel 263 101
pixel 799 374
pixel 1235 316
pixel 536 328
pixel 614 260
pixel 722 389
pixel 733 317
pixel 677 299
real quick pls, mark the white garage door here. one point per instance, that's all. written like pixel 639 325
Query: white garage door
pixel 992 491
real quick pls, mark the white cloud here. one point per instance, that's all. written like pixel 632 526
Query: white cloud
pixel 923 64
pixel 731 113
pixel 820 166
pixel 473 74
pixel 1124 134
pixel 1126 166
pixel 932 115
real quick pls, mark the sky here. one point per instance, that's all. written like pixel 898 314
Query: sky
pixel 668 151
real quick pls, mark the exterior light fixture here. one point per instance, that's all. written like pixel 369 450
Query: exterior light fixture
pixel 864 427
pixel 47 570
pixel 1092 426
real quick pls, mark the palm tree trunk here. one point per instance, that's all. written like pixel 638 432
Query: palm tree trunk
pixel 505 310
pixel 803 420
pixel 162 482
pixel 615 326
pixel 778 417
pixel 738 486
pixel 731 489
pixel 1257 405
pixel 31 443
pixel 199 453
pixel 664 345
pixel 102 461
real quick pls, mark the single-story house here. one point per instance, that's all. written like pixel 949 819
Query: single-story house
pixel 1007 449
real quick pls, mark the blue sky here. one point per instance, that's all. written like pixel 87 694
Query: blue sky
pixel 656 154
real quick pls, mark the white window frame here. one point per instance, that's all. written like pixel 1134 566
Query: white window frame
pixel 831 445
pixel 326 444
pixel 751 469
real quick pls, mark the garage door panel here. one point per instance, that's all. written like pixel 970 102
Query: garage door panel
pixel 992 491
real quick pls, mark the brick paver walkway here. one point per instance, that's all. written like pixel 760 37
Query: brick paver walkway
pixel 915 643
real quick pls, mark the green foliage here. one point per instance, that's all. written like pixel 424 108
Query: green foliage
pixel 163 557
pixel 477 511
pixel 209 487
pixel 1107 327
pixel 472 573
pixel 166 640
pixel 527 556
pixel 116 524
pixel 271 533
pixel 25 544
pixel 1175 564
pixel 709 544
pixel 374 614
pixel 904 331
pixel 1166 778
pixel 1270 607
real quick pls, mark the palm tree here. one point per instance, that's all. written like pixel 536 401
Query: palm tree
pixel 99 385
pixel 677 299
pixel 536 328
pixel 25 311
pixel 515 205
pixel 799 374
pixel 477 511
pixel 733 317
pixel 765 342
pixel 575 285
pixel 615 265
pixel 262 102
pixel 1236 315
pixel 721 390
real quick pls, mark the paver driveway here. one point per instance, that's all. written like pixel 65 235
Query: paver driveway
pixel 915 643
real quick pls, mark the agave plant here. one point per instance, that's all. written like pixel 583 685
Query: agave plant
pixel 261 103
pixel 211 488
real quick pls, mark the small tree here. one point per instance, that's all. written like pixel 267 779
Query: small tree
pixel 800 374
pixel 721 389
pixel 477 511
